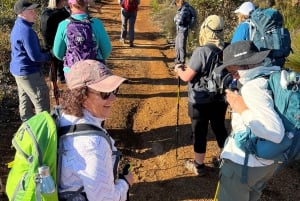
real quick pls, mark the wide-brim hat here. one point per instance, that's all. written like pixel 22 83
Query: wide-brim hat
pixel 22 5
pixel 242 53
pixel 93 74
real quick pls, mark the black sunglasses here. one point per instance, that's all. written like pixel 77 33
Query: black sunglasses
pixel 104 95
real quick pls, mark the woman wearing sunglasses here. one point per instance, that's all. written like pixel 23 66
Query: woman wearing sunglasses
pixel 88 161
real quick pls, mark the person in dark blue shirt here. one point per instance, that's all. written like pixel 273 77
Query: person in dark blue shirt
pixel 182 20
pixel 26 59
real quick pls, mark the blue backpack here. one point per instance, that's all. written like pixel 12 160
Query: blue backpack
pixel 81 42
pixel 267 32
pixel 285 87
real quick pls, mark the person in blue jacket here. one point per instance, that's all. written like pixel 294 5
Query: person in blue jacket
pixel 182 20
pixel 79 12
pixel 26 60
pixel 243 14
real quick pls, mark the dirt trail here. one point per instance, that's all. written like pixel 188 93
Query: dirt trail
pixel 143 120
pixel 144 117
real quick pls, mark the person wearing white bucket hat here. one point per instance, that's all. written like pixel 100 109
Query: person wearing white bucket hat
pixel 243 13
pixel 253 109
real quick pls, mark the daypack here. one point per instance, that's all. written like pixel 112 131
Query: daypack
pixel 130 5
pixel 81 42
pixel 214 81
pixel 193 17
pixel 36 143
pixel 267 32
pixel 285 88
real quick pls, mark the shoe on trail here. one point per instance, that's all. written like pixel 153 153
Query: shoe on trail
pixel 194 167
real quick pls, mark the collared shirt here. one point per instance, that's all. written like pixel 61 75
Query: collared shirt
pixel 88 162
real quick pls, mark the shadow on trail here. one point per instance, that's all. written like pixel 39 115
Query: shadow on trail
pixel 195 188
pixel 155 142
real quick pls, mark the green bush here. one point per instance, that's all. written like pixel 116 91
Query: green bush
pixel 165 11
pixel 294 59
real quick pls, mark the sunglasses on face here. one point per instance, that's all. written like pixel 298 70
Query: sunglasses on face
pixel 104 95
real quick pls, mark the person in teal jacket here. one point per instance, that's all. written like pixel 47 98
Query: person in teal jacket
pixel 79 12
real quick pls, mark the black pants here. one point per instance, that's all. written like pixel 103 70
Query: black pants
pixel 59 67
pixel 203 114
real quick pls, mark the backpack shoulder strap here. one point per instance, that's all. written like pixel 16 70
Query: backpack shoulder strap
pixel 216 51
pixel 78 129
pixel 86 19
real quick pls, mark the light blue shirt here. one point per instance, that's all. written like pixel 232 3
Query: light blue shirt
pixel 241 32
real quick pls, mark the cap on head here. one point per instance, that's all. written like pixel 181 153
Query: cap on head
pixel 22 5
pixel 242 53
pixel 246 8
pixel 93 74
pixel 214 23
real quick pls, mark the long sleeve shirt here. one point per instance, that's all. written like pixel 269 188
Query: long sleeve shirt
pixel 88 161
pixel 261 118
pixel 102 39
pixel 26 51
pixel 182 17
pixel 241 32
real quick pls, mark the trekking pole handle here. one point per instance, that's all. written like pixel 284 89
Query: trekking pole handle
pixel 126 169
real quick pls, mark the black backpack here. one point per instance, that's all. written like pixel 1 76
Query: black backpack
pixel 214 81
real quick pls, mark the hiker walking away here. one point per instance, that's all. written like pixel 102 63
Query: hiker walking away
pixel 203 107
pixel 129 10
pixel 26 60
pixel 81 37
pixel 182 20
pixel 88 161
pixel 253 111
pixel 50 18
pixel 242 31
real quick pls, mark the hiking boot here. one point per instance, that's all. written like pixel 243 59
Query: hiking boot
pixel 194 167
pixel 122 40
pixel 216 161
pixel 131 44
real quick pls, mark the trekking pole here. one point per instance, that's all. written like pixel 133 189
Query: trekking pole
pixel 54 81
pixel 126 170
pixel 217 191
pixel 177 116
